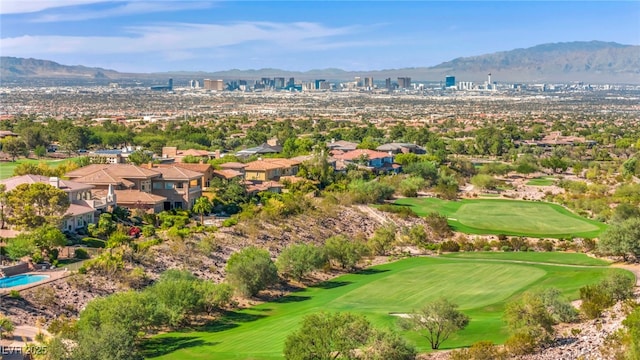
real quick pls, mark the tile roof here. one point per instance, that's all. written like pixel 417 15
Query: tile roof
pixel 355 154
pixel 104 177
pixel 227 173
pixel 125 171
pixel 66 185
pixel 134 196
pixel 76 209
pixel 270 164
pixel 201 168
pixel 177 173
pixel 233 165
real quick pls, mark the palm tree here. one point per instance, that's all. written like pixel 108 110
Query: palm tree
pixel 201 206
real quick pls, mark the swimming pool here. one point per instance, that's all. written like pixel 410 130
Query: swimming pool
pixel 19 280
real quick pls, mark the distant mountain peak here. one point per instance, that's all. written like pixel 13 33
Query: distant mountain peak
pixel 589 61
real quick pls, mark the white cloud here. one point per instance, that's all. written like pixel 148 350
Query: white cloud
pixel 167 39
pixel 123 9
pixel 31 6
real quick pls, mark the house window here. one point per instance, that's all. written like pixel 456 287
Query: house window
pixel 79 222
pixel 177 205
pixel 143 187
pixel 168 185
pixel 180 185
pixel 157 185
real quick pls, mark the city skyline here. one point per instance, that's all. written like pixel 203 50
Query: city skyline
pixel 142 36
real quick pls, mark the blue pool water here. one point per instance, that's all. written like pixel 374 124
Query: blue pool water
pixel 19 280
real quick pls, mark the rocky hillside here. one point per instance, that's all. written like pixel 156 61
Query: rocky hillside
pixel 573 61
pixel 18 67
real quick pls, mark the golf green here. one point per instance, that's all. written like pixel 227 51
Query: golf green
pixel 509 217
pixel 480 287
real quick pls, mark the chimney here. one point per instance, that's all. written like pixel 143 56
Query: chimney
pixel 150 165
pixel 55 182
pixel 217 154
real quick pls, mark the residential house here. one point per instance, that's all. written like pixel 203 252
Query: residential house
pixel 272 146
pixel 207 171
pixel 402 148
pixel 376 160
pixel 270 169
pixel 84 207
pixel 181 187
pixel 154 188
pixel 341 145
pixel 237 166
pixel 172 152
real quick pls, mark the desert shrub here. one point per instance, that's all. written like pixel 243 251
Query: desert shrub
pixel 368 192
pixel 438 223
pixel 382 241
pixel 297 261
pixel 481 350
pixel 230 222
pixel 80 254
pixel 344 251
pixel 596 298
pixel 251 270
pixel 401 211
pixel 449 246
pixel 15 294
pixel 93 242
pixel 546 245
pixel 148 230
pixel 409 187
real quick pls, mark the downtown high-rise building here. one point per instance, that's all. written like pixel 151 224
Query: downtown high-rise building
pixel 404 82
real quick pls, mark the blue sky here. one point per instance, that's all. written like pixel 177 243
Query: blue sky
pixel 149 36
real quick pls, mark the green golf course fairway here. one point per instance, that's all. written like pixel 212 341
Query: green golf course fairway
pixel 538 257
pixel 509 217
pixel 480 287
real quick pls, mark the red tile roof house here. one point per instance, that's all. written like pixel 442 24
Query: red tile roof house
pixel 84 207
pixel 153 188
pixel 376 160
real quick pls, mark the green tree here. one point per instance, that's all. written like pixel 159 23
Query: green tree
pixel 47 238
pixel 530 322
pixel 484 182
pixel 40 151
pixel 6 327
pixel 14 147
pixel 3 203
pixel 383 240
pixel 20 246
pixel 326 336
pixel 297 261
pixel 621 239
pixel 436 321
pixel 201 206
pixel 33 205
pixel 140 157
pixel 346 252
pixel 251 270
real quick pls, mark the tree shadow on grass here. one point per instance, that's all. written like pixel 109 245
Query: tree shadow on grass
pixel 291 299
pixel 370 271
pixel 159 346
pixel 331 284
pixel 229 320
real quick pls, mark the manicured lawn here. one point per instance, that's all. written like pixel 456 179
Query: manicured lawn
pixel 542 181
pixel 541 257
pixel 6 168
pixel 481 288
pixel 509 217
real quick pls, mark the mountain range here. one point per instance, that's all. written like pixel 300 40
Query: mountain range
pixel 594 61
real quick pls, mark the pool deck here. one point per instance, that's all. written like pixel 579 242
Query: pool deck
pixel 53 275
